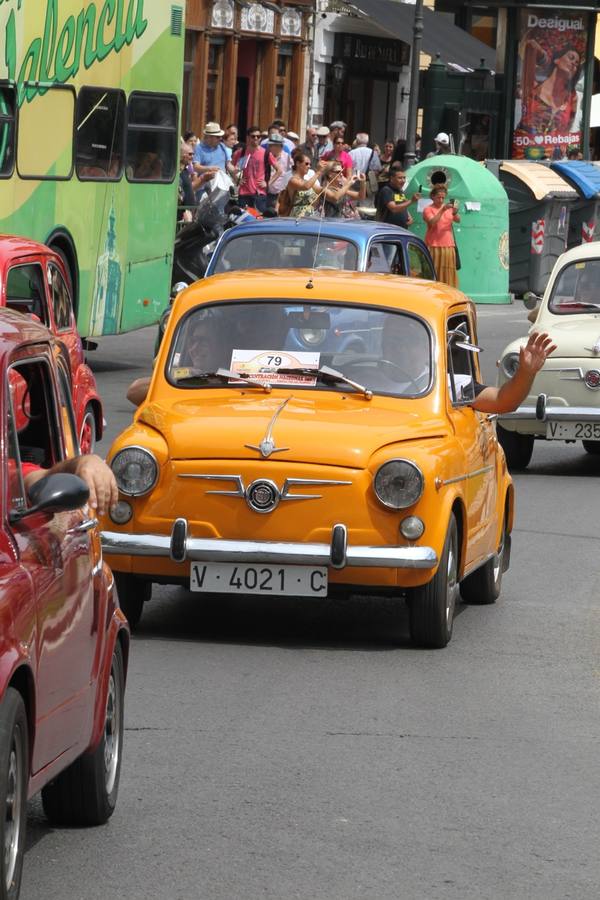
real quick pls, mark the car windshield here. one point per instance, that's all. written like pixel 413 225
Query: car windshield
pixel 286 251
pixel 577 289
pixel 288 342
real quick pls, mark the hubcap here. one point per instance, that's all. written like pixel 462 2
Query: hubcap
pixel 451 584
pixel 87 434
pixel 111 735
pixel 12 816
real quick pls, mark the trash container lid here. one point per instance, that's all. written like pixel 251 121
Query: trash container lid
pixel 583 175
pixel 542 181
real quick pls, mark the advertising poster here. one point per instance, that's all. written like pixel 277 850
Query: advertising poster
pixel 550 83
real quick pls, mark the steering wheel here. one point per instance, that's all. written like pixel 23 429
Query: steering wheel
pixel 392 369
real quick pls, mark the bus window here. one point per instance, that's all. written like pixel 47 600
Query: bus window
pixel 45 144
pixel 7 130
pixel 152 142
pixel 99 120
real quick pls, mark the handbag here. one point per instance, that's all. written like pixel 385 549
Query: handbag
pixel 456 253
pixel 372 179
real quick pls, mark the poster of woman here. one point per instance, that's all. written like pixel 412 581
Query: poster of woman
pixel 550 83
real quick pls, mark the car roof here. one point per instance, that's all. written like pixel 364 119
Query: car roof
pixel 17 328
pixel 355 229
pixel 13 245
pixel 590 250
pixel 427 298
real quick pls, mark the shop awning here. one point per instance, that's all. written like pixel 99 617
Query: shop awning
pixel 440 35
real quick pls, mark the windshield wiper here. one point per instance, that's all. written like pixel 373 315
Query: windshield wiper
pixel 332 375
pixel 224 375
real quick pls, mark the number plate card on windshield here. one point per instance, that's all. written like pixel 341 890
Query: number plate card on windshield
pixel 227 578
pixel 573 431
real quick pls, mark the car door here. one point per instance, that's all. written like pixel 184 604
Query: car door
pixel 475 431
pixel 57 553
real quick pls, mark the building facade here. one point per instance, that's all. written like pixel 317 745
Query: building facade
pixel 246 63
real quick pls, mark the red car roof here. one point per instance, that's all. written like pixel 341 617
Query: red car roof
pixel 11 245
pixel 16 329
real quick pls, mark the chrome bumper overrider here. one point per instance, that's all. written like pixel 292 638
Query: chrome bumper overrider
pixel 180 547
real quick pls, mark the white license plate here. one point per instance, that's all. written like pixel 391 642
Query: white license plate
pixel 573 431
pixel 229 578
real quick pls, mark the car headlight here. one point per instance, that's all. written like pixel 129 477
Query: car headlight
pixel 136 471
pixel 510 364
pixel 398 483
pixel 312 336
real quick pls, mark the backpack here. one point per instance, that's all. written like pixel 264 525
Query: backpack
pixel 285 202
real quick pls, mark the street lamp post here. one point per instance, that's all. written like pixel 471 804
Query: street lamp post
pixel 413 100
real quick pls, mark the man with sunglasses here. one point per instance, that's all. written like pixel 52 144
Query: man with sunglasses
pixel 254 164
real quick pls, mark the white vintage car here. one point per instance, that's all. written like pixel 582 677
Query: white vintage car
pixel 564 403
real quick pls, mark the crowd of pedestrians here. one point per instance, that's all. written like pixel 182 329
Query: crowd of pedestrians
pixel 274 173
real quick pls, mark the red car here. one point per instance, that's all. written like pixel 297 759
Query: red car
pixel 64 641
pixel 34 281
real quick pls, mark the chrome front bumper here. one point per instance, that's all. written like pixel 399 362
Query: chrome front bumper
pixel 554 414
pixel 179 547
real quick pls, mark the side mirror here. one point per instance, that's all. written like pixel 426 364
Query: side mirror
pixel 89 345
pixel 52 494
pixel 530 300
pixel 532 315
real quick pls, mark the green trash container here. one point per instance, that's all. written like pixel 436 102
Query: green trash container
pixel 482 233
pixel 584 221
pixel 540 203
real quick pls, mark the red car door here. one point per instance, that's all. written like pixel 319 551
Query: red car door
pixel 56 551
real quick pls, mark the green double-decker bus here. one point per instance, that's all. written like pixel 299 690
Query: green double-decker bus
pixel 89 146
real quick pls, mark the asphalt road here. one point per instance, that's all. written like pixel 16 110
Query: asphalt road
pixel 290 749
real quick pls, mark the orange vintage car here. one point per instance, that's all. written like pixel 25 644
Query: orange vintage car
pixel 309 434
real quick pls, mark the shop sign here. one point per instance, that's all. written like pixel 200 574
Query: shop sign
pixel 550 82
pixel 257 18
pixel 222 14
pixel 361 49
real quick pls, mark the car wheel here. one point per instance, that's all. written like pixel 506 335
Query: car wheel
pixel 14 767
pixel 431 606
pixel 517 447
pixel 86 792
pixel 592 447
pixel 133 592
pixel 87 438
pixel 484 584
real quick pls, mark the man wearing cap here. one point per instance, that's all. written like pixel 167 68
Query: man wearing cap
pixel 323 144
pixel 210 155
pixel 281 172
pixel 254 164
pixel 442 145
pixel 278 127
pixel 336 130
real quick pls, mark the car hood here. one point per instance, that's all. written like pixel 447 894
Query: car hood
pixel 575 336
pixel 320 427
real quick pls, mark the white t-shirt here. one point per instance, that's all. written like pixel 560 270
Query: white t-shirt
pixel 361 160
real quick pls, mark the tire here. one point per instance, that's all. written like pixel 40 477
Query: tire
pixel 484 584
pixel 85 794
pixel 133 592
pixel 431 606
pixel 87 437
pixel 592 447
pixel 518 448
pixel 14 776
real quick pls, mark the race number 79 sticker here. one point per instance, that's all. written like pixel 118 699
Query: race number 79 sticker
pixel 263 365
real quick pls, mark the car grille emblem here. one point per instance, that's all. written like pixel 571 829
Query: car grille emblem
pixel 592 379
pixel 262 496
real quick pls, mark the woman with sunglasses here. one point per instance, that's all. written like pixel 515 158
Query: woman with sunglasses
pixel 340 155
pixel 339 194
pixel 300 196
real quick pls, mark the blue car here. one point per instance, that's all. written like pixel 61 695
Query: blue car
pixel 350 245
pixel 347 244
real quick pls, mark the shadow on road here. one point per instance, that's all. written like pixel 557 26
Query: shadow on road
pixel 355 622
